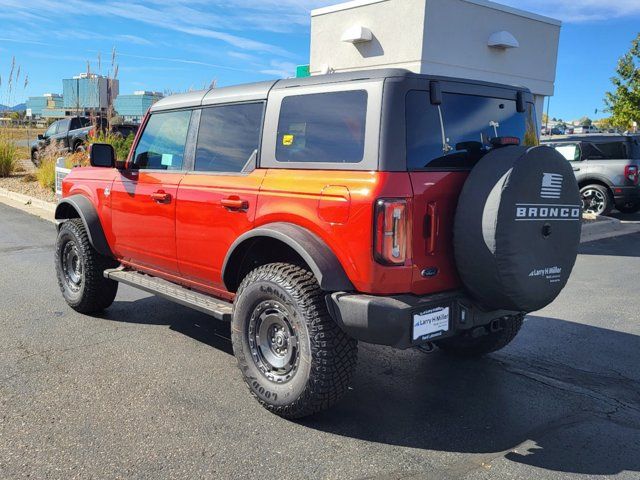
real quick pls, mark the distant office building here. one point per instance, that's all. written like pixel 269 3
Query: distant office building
pixel 44 105
pixel 133 107
pixel 89 93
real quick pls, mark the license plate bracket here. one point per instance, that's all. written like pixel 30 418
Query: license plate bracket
pixel 430 323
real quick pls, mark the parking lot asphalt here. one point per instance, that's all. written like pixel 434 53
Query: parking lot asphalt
pixel 151 389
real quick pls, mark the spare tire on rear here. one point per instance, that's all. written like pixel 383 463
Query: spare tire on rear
pixel 517 228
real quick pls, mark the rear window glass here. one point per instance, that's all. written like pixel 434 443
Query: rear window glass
pixel 322 128
pixel 469 121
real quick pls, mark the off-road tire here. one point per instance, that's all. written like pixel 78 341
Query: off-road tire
pixel 607 198
pixel 327 356
pixel 35 157
pixel 93 293
pixel 468 346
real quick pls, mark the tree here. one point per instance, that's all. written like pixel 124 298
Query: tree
pixel 585 121
pixel 624 101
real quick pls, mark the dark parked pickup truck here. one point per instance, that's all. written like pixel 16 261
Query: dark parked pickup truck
pixel 607 169
pixel 72 134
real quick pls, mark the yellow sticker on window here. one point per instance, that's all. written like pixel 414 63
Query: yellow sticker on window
pixel 287 140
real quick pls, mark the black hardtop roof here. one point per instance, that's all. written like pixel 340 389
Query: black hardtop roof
pixel 260 90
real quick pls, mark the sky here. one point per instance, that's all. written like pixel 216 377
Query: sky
pixel 177 45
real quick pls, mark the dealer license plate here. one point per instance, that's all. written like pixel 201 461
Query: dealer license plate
pixel 431 323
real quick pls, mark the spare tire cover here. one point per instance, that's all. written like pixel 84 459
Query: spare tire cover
pixel 517 228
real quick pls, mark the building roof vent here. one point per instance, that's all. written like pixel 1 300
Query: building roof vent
pixel 357 34
pixel 503 40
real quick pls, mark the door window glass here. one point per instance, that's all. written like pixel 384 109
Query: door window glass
pixel 228 137
pixel 63 126
pixel 161 146
pixel 323 128
pixel 52 129
pixel 571 151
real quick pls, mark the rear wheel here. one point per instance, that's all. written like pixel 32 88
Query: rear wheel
pixel 478 342
pixel 80 268
pixel 596 199
pixel 295 359
pixel 631 207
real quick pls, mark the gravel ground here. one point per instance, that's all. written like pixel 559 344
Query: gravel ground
pixel 17 183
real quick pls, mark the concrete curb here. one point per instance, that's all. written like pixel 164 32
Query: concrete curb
pixel 28 204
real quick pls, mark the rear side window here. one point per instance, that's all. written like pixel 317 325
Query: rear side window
pixel 605 151
pixel 469 121
pixel 322 128
pixel 161 146
pixel 228 137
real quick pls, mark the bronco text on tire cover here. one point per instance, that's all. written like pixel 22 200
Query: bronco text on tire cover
pixel 517 228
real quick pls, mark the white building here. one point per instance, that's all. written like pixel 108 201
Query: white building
pixel 475 39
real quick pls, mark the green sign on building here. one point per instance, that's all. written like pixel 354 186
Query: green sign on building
pixel 303 71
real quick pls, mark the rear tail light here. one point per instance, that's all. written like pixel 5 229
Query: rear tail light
pixel 390 231
pixel 631 172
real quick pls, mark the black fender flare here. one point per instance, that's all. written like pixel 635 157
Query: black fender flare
pixel 89 216
pixel 591 178
pixel 321 260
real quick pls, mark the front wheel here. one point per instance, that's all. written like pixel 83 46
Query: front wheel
pixel 492 340
pixel 35 157
pixel 80 269
pixel 294 358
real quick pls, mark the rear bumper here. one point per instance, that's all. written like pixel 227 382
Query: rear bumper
pixel 624 195
pixel 390 320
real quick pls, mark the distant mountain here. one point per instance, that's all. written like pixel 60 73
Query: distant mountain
pixel 15 108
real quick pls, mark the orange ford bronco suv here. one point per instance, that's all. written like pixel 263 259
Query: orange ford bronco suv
pixel 378 206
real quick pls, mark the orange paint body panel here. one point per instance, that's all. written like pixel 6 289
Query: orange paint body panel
pixel 185 236
pixel 212 211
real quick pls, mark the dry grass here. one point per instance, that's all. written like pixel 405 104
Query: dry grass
pixel 46 172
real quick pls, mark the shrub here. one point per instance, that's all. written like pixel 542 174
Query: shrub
pixel 8 154
pixel 120 144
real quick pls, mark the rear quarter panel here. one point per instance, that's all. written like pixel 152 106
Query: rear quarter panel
pixel 318 201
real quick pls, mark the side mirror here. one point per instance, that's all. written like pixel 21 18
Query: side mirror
pixel 435 93
pixel 40 136
pixel 102 155
pixel 521 105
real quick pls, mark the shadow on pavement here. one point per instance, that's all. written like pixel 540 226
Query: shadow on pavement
pixel 622 246
pixel 535 407
pixel 540 412
pixel 157 311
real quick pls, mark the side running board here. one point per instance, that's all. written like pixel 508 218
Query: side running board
pixel 216 308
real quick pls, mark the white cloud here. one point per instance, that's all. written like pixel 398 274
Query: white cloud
pixel 578 11
pixel 280 69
